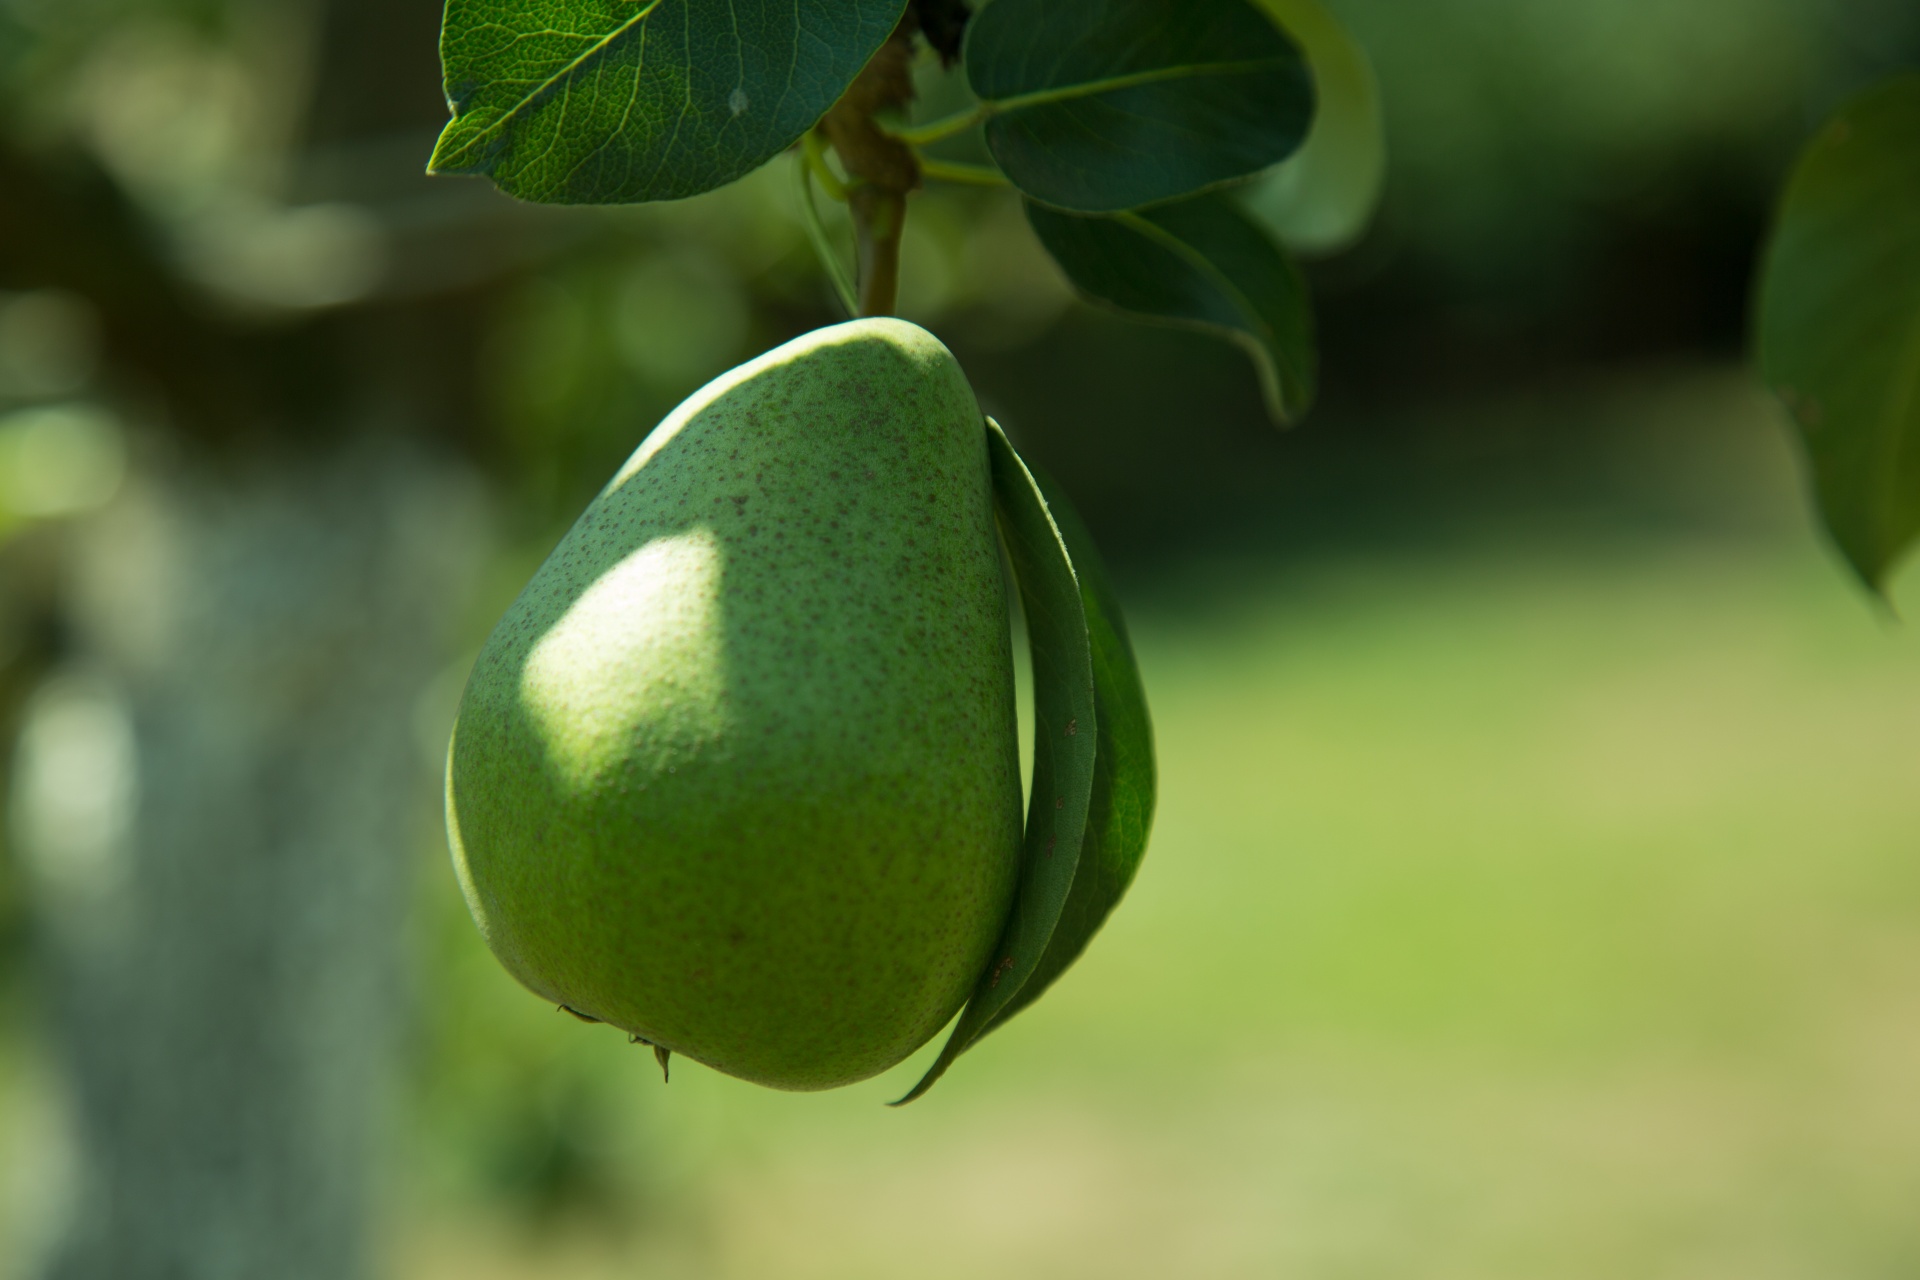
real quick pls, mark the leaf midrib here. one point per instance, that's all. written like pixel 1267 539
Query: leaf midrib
pixel 1134 79
pixel 592 51
pixel 1264 337
pixel 1166 239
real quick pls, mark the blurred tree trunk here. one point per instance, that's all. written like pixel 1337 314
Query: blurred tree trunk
pixel 223 794
pixel 224 798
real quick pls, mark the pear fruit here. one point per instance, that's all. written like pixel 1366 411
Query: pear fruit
pixel 737 771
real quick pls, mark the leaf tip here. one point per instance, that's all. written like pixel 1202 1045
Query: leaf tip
pixel 441 162
pixel 1872 572
pixel 1874 579
pixel 1285 404
pixel 934 1072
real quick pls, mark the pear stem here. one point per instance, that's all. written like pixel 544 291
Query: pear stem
pixel 882 168
pixel 879 216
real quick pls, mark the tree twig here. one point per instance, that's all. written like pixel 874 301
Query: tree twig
pixel 921 135
pixel 973 175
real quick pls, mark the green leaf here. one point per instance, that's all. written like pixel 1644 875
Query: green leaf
pixel 1321 198
pixel 1201 263
pixel 1101 105
pixel 618 101
pixel 1065 734
pixel 1839 324
pixel 1121 811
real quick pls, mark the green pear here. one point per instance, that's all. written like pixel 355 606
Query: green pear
pixel 737 772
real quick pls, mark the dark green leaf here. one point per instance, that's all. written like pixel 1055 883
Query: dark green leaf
pixel 618 101
pixel 1121 811
pixel 1839 328
pixel 1201 262
pixel 1102 105
pixel 1065 734
pixel 1322 197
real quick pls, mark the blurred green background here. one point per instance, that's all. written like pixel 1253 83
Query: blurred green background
pixel 1536 883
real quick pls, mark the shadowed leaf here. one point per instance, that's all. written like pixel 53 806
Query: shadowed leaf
pixel 1202 263
pixel 1839 324
pixel 1102 105
pixel 1321 198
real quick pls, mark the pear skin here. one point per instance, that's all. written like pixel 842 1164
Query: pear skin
pixel 737 772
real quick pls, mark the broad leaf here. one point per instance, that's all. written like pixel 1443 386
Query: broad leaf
pixel 1121 811
pixel 1102 105
pixel 1839 327
pixel 1203 263
pixel 1322 197
pixel 1065 733
pixel 618 101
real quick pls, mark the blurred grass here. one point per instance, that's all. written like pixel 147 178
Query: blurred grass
pixel 1542 901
